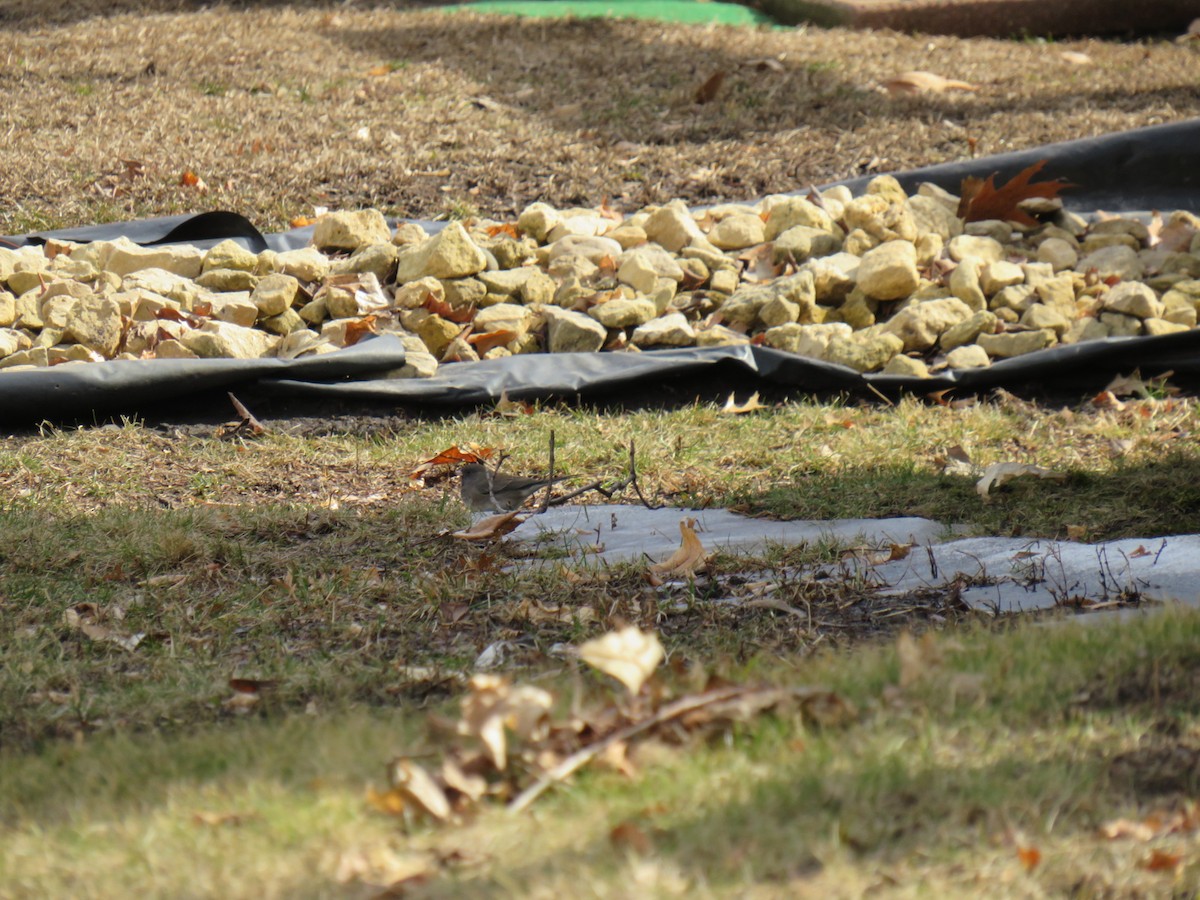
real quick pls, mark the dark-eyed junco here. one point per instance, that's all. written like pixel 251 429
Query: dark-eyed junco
pixel 484 490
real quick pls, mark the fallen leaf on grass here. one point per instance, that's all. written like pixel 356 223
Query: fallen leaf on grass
pixel 83 617
pixel 418 787
pixel 689 559
pixel 1156 824
pixel 919 82
pixel 707 92
pixel 382 867
pixel 452 456
pixel 1075 58
pixel 1192 33
pixel 490 528
pixel 629 655
pixel 732 408
pixel 981 199
pixel 1029 857
pixel 495 707
pixel 999 474
pixel 190 179
pixel 1161 861
pixel 631 837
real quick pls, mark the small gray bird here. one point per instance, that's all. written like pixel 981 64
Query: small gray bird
pixel 483 490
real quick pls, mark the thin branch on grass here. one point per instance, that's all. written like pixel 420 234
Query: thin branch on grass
pixel 582 757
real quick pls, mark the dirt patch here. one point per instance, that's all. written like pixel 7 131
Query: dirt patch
pixel 424 114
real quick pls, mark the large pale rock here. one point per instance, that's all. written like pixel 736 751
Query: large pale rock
pixel 724 281
pixel 274 294
pixel 1162 326
pixel 967 331
pixel 985 249
pixel 737 232
pixel 622 312
pixel 863 351
pixel 229 254
pixel 920 325
pixel 671 330
pixel 1132 298
pixel 1016 297
pixel 968 356
pixel 788 212
pixel 592 249
pixel 806 340
pixel 1058 253
pixel 222 280
pixel 568 331
pixel 12 341
pixel 538 219
pixel 833 276
pixel 285 323
pixel 720 336
pixel 308 264
pixel 584 225
pixel 908 366
pixel 235 307
pixel 995 276
pixel 934 217
pixel 801 242
pixel 417 293
pixel 889 272
pixel 1109 262
pixel 1120 325
pixel 349 230
pixel 378 259
pixel 1016 343
pixel 1039 315
pixel 95 322
pixel 8 309
pixel 881 216
pixel 448 254
pixel 226 340
pixel 124 257
pixel 744 305
pixel 641 267
pixel 503 317
pixel 672 226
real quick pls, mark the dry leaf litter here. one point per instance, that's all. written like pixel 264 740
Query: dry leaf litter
pixel 882 282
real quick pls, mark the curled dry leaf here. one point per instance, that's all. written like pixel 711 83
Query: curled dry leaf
pixel 1075 58
pixel 452 456
pixel 708 91
pixel 629 655
pixel 689 559
pixel 999 474
pixel 494 708
pixel 491 528
pixel 924 82
pixel 418 787
pixel 732 408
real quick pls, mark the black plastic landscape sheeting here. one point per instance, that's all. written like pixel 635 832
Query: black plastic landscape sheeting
pixel 1136 171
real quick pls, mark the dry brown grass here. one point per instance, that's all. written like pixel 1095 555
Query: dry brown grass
pixel 280 108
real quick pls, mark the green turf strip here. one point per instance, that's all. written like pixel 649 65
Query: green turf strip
pixel 684 11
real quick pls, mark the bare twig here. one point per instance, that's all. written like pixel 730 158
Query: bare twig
pixel 580 758
pixel 633 479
